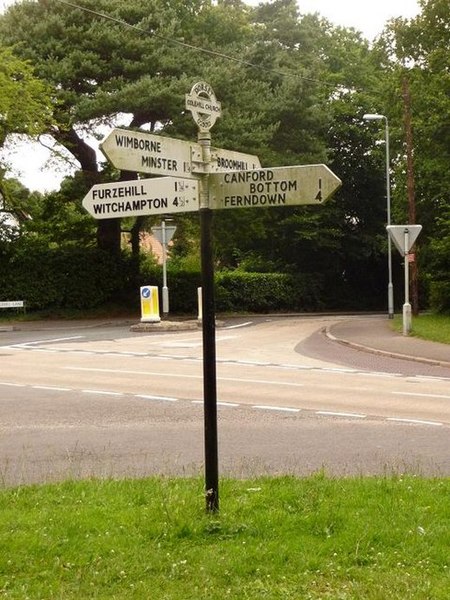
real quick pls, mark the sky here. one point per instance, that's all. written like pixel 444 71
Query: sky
pixel 369 17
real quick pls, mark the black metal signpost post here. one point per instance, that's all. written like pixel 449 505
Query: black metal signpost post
pixel 205 110
pixel 209 363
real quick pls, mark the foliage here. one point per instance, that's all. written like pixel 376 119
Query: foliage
pixel 297 97
pixel 53 278
pixel 59 220
pixel 264 292
pixel 312 538
pixel 430 326
pixel 417 50
pixel 24 99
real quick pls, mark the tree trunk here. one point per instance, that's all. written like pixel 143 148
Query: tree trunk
pixel 108 230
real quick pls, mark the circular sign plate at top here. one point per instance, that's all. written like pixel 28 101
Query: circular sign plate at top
pixel 203 105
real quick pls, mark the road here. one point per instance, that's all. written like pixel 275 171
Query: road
pixel 103 401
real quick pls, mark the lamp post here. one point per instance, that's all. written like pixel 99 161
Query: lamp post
pixel 376 117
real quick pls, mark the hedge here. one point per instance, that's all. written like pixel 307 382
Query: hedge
pixel 60 278
pixel 80 278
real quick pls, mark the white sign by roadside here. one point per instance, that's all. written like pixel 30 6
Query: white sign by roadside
pixel 164 233
pixel 397 235
pixel 280 186
pixel 140 197
pixel 143 152
pixel 223 161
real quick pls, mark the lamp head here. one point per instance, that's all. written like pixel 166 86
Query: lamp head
pixel 373 117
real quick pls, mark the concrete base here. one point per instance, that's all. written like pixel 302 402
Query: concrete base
pixel 170 326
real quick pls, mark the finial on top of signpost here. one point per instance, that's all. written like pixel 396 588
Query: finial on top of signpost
pixel 204 106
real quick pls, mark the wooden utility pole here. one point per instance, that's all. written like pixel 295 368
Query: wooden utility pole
pixel 410 187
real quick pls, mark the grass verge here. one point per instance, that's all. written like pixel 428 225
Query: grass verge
pixel 278 538
pixel 435 328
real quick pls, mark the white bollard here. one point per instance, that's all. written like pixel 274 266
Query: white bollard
pixel 199 300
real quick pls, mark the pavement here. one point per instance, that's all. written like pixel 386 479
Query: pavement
pixel 367 333
pixel 375 334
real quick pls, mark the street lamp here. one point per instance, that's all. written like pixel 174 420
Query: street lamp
pixel 375 117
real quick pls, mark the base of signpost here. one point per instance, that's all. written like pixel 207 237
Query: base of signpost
pixel 406 318
pixel 391 300
pixel 165 299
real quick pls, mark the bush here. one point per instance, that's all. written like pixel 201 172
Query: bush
pixel 61 278
pixel 264 292
pixel 86 278
pixel 440 296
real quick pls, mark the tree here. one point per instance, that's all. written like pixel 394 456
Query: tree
pixel 100 67
pixel 24 99
pixel 418 49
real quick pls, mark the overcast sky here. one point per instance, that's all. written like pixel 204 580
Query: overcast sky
pixel 369 17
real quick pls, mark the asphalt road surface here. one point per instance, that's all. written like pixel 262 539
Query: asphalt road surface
pixel 104 401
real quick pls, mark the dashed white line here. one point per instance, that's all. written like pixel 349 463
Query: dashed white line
pixel 421 395
pixel 186 376
pixel 277 408
pixel 239 325
pixel 51 388
pixel 102 392
pixel 232 404
pixel 329 413
pixel 48 341
pixel 158 398
pixel 219 404
pixel 415 421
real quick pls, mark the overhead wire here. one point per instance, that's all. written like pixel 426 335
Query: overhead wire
pixel 200 49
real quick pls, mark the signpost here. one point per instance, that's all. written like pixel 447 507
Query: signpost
pixel 164 234
pixel 148 153
pixel 404 237
pixel 200 177
pixel 156 196
pixel 143 152
pixel 203 105
pixel 223 161
pixel 281 186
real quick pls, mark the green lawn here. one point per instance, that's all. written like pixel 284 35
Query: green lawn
pixel 277 538
pixel 428 327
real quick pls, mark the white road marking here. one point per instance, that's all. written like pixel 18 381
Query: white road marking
pixel 416 421
pixel 51 388
pixel 49 341
pixel 421 395
pixel 329 413
pixel 240 325
pixel 223 361
pixel 225 404
pixel 277 408
pixel 102 392
pixel 284 409
pixel 194 344
pixel 129 372
pixel 159 398
pixel 186 376
pixel 228 404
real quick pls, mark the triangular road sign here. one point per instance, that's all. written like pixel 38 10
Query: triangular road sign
pixel 397 234
pixel 164 234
